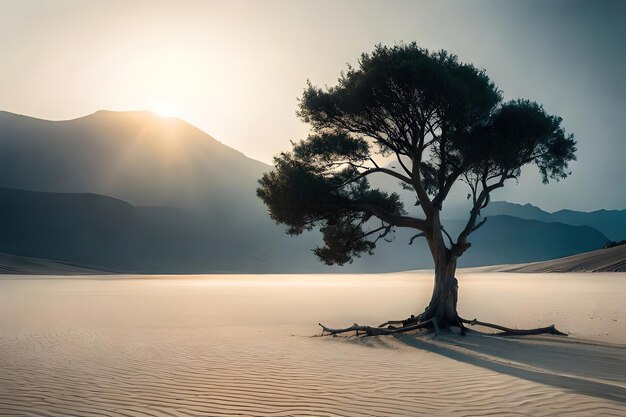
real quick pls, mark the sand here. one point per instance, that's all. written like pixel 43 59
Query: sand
pixel 602 260
pixel 242 345
pixel 24 265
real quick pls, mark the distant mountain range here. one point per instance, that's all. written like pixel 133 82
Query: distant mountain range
pixel 104 233
pixel 612 223
pixel 191 199
pixel 504 240
pixel 133 192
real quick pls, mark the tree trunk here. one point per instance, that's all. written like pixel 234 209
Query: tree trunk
pixel 442 306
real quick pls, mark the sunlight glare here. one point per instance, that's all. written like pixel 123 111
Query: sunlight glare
pixel 164 109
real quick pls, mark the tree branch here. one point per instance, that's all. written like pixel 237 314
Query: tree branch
pixel 449 182
pixel 449 237
pixel 392 219
pixel 506 331
pixel 422 195
pixel 408 172
pixel 480 202
pixel 483 221
pixel 375 170
pixel 416 236
pixel 374 331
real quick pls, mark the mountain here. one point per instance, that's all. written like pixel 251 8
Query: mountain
pixel 612 223
pixel 602 260
pixel 103 233
pixel 133 192
pixel 147 161
pixel 134 156
pixel 514 240
pixel 523 211
pixel 502 240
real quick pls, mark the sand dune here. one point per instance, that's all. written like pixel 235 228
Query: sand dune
pixel 602 260
pixel 23 265
pixel 242 345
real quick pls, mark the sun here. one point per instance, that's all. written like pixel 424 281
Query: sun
pixel 164 109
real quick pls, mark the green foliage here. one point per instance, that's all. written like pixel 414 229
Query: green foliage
pixel 396 92
pixel 517 133
pixel 443 120
pixel 306 189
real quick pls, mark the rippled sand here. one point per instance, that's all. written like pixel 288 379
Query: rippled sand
pixel 241 345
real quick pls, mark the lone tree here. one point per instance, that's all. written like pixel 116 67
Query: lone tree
pixel 444 121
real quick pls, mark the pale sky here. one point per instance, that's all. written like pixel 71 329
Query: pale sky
pixel 236 69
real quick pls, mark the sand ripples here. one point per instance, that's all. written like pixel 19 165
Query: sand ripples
pixel 218 346
pixel 211 372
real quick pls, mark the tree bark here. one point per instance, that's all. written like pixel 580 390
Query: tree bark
pixel 443 302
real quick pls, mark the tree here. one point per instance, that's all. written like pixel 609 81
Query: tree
pixel 443 121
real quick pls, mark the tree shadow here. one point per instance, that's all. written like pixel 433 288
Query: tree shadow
pixel 585 367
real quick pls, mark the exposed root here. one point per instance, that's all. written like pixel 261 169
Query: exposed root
pixel 505 331
pixel 411 324
pixel 374 331
pixel 436 326
pixel 392 322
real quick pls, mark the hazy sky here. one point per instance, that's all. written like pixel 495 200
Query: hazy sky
pixel 235 69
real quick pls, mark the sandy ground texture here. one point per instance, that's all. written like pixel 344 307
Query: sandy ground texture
pixel 602 260
pixel 23 265
pixel 242 345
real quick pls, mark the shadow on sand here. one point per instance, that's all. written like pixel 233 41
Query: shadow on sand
pixel 581 366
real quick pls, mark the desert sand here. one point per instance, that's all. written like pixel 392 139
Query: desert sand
pixel 24 265
pixel 243 345
pixel 602 260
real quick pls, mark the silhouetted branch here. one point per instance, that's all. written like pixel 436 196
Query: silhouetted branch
pixel 505 331
pixel 404 167
pixel 478 225
pixel 387 230
pixel 375 331
pixel 392 219
pixel 375 170
pixel 449 237
pixel 415 237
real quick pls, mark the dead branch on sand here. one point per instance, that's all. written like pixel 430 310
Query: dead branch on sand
pixel 411 324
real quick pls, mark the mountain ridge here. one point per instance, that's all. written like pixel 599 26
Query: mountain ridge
pixel 190 203
pixel 612 223
pixel 104 233
pixel 134 156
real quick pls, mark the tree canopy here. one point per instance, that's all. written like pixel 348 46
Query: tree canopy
pixel 443 121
